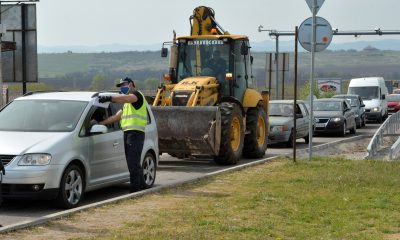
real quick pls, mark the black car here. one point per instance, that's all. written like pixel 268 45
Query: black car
pixel 357 106
pixel 334 115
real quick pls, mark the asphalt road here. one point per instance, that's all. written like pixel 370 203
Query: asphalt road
pixel 170 171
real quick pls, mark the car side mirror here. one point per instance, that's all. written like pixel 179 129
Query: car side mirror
pixel 244 50
pixel 362 105
pixel 383 96
pixel 164 52
pixel 97 129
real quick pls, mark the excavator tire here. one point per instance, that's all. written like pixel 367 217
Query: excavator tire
pixel 232 134
pixel 255 143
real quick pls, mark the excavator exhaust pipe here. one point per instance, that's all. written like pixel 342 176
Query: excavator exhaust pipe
pixel 188 130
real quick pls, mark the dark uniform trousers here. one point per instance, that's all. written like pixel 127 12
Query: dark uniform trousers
pixel 133 142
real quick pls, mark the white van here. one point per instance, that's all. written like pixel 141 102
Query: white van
pixel 373 91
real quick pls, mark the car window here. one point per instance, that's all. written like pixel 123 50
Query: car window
pixel 41 115
pixel 327 106
pixel 303 109
pixel 96 115
pixel 346 105
pixel 280 109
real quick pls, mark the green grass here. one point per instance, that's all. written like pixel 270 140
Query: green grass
pixel 321 199
pixel 326 198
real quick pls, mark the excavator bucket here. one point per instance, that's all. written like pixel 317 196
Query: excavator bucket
pixel 188 130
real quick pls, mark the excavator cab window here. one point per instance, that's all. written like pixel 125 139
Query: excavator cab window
pixel 203 58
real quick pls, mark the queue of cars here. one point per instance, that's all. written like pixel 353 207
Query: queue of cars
pixel 337 115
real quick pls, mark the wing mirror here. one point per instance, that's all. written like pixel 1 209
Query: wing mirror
pixel 164 52
pixel 362 105
pixel 383 96
pixel 244 50
pixel 97 129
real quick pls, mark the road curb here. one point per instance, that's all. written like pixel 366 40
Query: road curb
pixel 66 213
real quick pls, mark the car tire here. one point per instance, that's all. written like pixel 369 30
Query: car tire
pixel 344 130
pixel 149 169
pixel 307 139
pixel 289 143
pixel 353 129
pixel 72 187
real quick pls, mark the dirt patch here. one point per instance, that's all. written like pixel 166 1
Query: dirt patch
pixel 94 223
pixel 355 150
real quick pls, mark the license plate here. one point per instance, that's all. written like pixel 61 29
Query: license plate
pixel 320 125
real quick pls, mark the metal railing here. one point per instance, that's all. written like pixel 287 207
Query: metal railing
pixel 389 127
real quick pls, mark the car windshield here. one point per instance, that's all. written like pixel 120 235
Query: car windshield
pixel 352 100
pixel 41 115
pixel 327 106
pixel 279 109
pixel 393 98
pixel 365 92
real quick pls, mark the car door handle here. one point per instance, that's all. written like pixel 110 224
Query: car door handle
pixel 115 144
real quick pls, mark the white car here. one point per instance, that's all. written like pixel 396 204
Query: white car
pixel 51 150
pixel 282 124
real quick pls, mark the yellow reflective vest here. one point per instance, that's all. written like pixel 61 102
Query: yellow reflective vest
pixel 133 119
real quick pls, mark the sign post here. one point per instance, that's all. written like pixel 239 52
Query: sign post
pixel 313 46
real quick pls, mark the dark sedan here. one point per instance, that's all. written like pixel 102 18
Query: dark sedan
pixel 333 115
pixel 357 106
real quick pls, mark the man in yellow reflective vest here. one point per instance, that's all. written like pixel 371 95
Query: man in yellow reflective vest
pixel 133 121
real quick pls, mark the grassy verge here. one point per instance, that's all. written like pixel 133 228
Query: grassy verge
pixel 321 199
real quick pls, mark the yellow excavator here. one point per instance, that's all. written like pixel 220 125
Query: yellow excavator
pixel 206 105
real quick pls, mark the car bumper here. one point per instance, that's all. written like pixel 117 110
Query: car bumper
pixel 393 109
pixel 277 137
pixel 330 127
pixel 37 182
pixel 372 115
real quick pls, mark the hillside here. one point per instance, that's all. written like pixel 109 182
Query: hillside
pixel 77 70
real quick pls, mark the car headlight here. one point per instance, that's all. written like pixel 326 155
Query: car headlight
pixel 280 128
pixel 338 119
pixel 34 159
pixel 376 109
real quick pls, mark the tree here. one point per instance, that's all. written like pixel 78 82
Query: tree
pixel 98 83
pixel 151 83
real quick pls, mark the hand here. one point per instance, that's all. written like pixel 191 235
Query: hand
pixel 93 122
pixel 103 99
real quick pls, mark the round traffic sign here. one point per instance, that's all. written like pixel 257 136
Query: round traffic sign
pixel 323 34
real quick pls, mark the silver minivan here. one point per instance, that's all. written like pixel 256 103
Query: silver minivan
pixel 52 150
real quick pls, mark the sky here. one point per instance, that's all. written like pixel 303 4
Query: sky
pixel 99 22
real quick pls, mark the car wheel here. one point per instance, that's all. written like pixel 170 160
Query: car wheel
pixel 289 143
pixel 149 167
pixel 353 129
pixel 343 132
pixel 307 139
pixel 71 187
